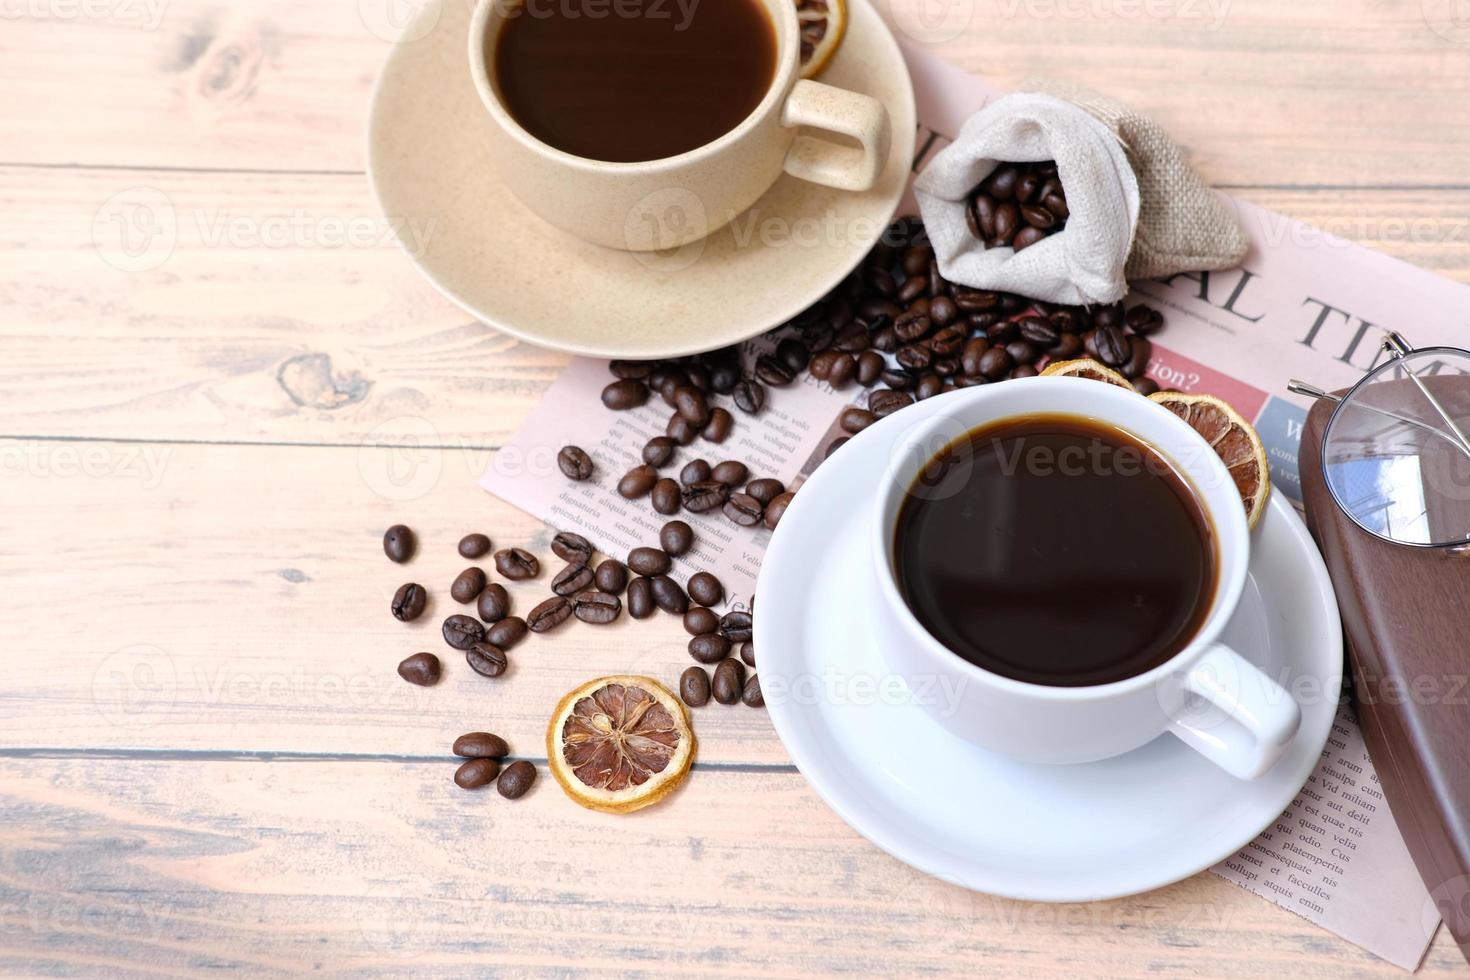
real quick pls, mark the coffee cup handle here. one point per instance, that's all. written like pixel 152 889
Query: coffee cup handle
pixel 1262 716
pixel 861 117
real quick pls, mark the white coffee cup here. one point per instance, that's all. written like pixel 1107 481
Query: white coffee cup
pixel 665 203
pixel 1208 695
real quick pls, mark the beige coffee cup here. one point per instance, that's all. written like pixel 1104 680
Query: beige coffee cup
pixel 660 204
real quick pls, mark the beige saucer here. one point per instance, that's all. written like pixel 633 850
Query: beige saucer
pixel 430 166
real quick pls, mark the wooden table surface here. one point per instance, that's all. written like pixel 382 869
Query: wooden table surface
pixel 220 382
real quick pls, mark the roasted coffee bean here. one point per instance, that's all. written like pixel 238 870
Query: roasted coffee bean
pixel 668 596
pixel 1112 346
pixel 852 339
pixel 943 311
pixel 700 619
pixel 1145 386
pixel 461 631
pixel 916 259
pixel 1007 223
pixel 474 546
pixel 640 598
pixel 574 463
pixel 476 773
pixel 735 625
pixel 1024 371
pixel 773 371
pixel 885 339
pixel 549 614
pixel 1001 184
pixel 691 405
pixel 912 326
pixel 1038 217
pixel 995 363
pixel 729 681
pixel 946 367
pixel 897 378
pixel 694 687
pixel 637 482
pixel 844 368
pixel 913 287
pixel 493 604
pixel 611 576
pixel 751 695
pixel 724 377
pixel 695 471
pixel 636 370
pixel 1057 205
pixel 507 633
pixel 854 420
pixel 649 561
pixel 970 357
pixel 1039 331
pixel 480 745
pixel 1022 352
pixel 929 385
pixel 721 423
pixel 486 659
pixel 676 538
pixel 597 608
pixel 679 430
pixel 705 495
pixel 709 648
pixel 1002 333
pixel 885 401
pixel 1144 320
pixel 1068 347
pixel 666 496
pixel 1026 237
pixel 658 451
pixel 625 394
pixel 915 357
pixel 749 396
pixel 731 472
pixel 1089 344
pixel 399 543
pixel 747 653
pixel 1111 315
pixel 516 564
pixel 981 216
pixel 467 585
pixel 516 780
pixel 793 354
pixel 821 364
pixel 409 602
pixel 834 445
pixel 766 489
pixel 422 669
pixel 705 589
pixel 777 508
pixel 698 376
pixel 817 336
pixel 671 384
pixel 571 547
pixel 743 509
pixel 948 342
pixel 1068 319
pixel 572 579
pixel 870 366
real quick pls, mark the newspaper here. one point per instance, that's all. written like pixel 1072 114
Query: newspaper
pixel 1303 304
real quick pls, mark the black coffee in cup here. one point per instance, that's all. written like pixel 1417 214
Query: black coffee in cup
pixel 632 80
pixel 1057 550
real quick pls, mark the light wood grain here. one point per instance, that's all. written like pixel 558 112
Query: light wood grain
pixel 382 867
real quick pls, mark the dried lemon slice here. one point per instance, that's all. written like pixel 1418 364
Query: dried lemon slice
pixel 619 744
pixel 1233 440
pixel 822 24
pixel 1086 367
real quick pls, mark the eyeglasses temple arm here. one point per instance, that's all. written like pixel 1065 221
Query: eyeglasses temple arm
pixel 1397 347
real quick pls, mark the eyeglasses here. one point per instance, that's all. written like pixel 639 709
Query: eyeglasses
pixel 1395 456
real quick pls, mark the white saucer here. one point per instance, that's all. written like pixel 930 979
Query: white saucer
pixel 951 809
pixel 435 179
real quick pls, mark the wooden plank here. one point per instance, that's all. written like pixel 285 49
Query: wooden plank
pixel 258 323
pixel 226 597
pixel 1263 92
pixel 181 867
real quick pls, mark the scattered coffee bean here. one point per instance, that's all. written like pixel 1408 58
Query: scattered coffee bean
pixel 1143 320
pixel 658 451
pixel 668 596
pixel 885 401
pixel 705 589
pixel 750 396
pixel 680 431
pixel 476 773
pixel 731 472
pixel 467 585
pixel 516 564
pixel 611 576
pixel 695 471
pixel 705 495
pixel 597 608
pixel 480 745
pixel 854 420
pixel 493 605
pixel 409 602
pixel 691 405
pixel 743 509
pixel 507 632
pixel 486 659
pixel 572 548
pixel 694 687
pixel 729 681
pixel 751 695
pixel 637 482
pixel 461 631
pixel 777 508
pixel 765 490
pixel 574 463
pixel 736 625
pixel 421 669
pixel 549 614
pixel 625 394
pixel 516 779
pixel 474 546
pixel 700 619
pixel 773 371
pixel 676 538
pixel 636 370
pixel 709 648
pixel 640 598
pixel 721 423
pixel 666 497
pixel 399 543
pixel 571 580
pixel 747 653
pixel 649 561
pixel 1112 346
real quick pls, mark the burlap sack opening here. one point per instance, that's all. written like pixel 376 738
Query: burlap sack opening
pixel 1137 209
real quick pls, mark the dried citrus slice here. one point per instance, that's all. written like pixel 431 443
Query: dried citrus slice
pixel 1233 440
pixel 1086 367
pixel 619 743
pixel 823 24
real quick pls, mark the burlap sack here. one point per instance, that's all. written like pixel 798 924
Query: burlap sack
pixel 1137 210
